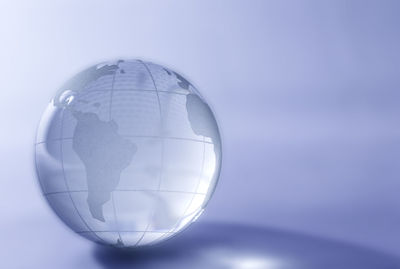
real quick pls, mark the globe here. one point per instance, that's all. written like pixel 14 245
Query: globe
pixel 128 153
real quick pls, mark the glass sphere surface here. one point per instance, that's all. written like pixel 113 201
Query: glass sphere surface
pixel 128 153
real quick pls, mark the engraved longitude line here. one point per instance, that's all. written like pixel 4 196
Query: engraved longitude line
pixel 115 217
pixel 67 185
pixel 109 118
pixel 161 122
pixel 35 159
pixel 36 163
pixel 111 94
pixel 146 230
pixel 37 172
pixel 197 186
pixel 162 148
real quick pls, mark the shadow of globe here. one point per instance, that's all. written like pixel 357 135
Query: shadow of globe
pixel 218 245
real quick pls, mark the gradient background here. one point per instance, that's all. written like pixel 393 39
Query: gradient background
pixel 306 94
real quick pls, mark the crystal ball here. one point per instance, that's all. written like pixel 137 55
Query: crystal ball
pixel 128 153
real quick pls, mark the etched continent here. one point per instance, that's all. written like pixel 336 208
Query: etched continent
pixel 104 153
pixel 81 80
pixel 202 121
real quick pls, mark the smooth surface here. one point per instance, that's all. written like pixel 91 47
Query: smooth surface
pixel 203 245
pixel 225 246
pixel 128 153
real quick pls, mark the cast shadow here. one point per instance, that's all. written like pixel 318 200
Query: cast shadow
pixel 217 245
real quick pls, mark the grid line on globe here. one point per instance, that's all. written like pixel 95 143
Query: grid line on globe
pixel 162 150
pixel 129 177
pixel 137 136
pixel 112 193
pixel 161 118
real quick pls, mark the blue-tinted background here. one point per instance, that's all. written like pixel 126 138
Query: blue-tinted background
pixel 306 94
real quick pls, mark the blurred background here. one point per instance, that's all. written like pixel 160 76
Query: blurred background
pixel 306 94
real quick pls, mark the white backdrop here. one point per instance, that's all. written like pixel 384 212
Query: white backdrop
pixel 306 94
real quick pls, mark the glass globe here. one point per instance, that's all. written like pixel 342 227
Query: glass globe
pixel 128 153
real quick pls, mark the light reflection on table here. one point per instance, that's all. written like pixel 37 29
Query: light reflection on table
pixel 217 245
